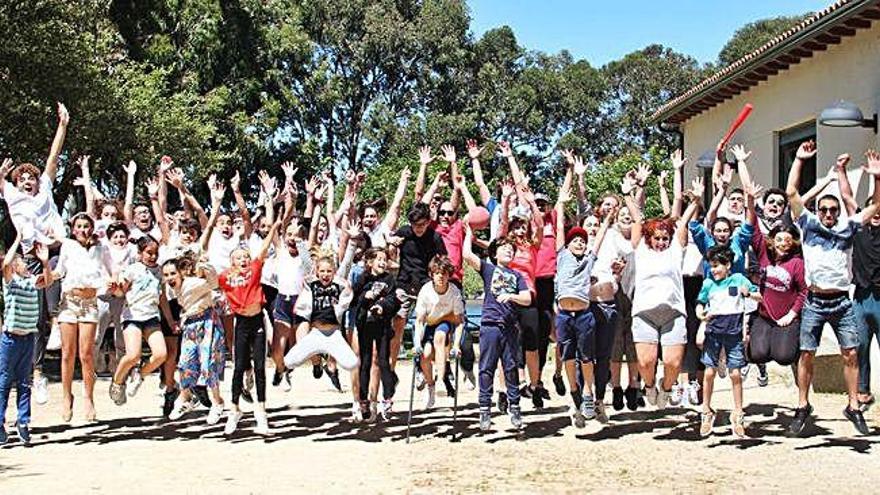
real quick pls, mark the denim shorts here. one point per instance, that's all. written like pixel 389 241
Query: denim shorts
pixel 733 346
pixel 838 312
pixel 576 335
pixel 283 310
pixel 442 327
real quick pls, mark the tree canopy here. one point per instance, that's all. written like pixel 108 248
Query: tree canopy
pixel 754 35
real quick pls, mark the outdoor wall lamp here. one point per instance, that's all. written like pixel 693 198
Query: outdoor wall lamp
pixel 846 114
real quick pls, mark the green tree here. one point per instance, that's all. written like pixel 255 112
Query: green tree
pixel 754 35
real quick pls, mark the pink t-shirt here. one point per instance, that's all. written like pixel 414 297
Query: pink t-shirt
pixel 524 262
pixel 453 239
pixel 545 265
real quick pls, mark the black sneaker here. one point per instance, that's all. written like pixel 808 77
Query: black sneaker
pixel 168 405
pixel 633 399
pixel 857 419
pixel 317 371
pixel 525 392
pixel 543 391
pixel 24 433
pixel 246 396
pixel 617 398
pixel 201 393
pixel 537 398
pixel 559 384
pixel 763 378
pixel 640 398
pixel 502 402
pixel 276 379
pixel 334 378
pixel 801 416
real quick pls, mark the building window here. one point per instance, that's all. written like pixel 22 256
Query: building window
pixel 789 141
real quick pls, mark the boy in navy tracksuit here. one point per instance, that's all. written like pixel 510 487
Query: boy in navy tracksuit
pixel 503 290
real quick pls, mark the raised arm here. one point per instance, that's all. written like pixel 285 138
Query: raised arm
pixel 846 190
pixel 873 170
pixel 425 158
pixel 86 182
pixel 603 229
pixel 165 164
pixel 9 257
pixel 267 242
pixel 642 174
pixel 218 190
pixel 584 208
pixel 51 169
pixel 128 207
pixel 805 151
pixel 563 198
pixel 432 189
pixel 507 194
pixel 819 186
pixel 720 183
pixel 678 163
pixel 450 157
pixel 474 153
pixel 664 194
pixel 235 183
pixel 393 215
pixel 627 186
pixel 752 191
pixel 681 230
pixel 742 158
pixel 158 212
pixel 467 250
pixel 46 278
pixel 460 185
pixel 507 152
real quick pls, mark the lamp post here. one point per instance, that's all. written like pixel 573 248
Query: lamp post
pixel 845 114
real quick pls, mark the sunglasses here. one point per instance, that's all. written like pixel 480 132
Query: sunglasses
pixel 446 213
pixel 828 209
pixel 776 202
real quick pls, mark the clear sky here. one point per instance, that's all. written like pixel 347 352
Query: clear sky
pixel 604 30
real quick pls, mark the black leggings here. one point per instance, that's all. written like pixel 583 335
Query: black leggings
pixel 770 342
pixel 545 291
pixel 528 325
pixel 250 344
pixel 380 334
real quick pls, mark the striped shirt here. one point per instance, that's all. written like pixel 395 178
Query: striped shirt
pixel 22 305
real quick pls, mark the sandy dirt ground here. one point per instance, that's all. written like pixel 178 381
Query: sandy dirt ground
pixel 131 450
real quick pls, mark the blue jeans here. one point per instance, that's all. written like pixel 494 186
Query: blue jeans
pixel 867 305
pixel 733 346
pixel 16 365
pixel 838 312
pixel 496 342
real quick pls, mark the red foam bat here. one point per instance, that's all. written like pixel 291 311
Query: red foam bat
pixel 743 115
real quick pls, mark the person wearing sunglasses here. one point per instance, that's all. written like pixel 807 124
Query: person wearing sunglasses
pixel 827 243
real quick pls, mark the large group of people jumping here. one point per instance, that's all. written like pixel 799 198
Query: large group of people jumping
pixel 708 291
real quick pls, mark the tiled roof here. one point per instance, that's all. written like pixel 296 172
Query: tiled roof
pixel 815 33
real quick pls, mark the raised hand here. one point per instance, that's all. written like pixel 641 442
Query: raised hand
pixel 350 177
pixel 5 168
pixel 678 159
pixel 131 168
pixel 212 181
pixel 752 188
pixel 873 166
pixel 698 187
pixel 63 114
pixel 235 182
pixel 473 150
pixel 425 155
pixel 268 183
pixel 312 186
pixel 405 174
pixel 664 174
pixel 507 188
pixel 81 182
pixel 628 183
pixel 152 187
pixel 354 227
pixel 565 193
pixel 42 252
pixel 83 163
pixel 842 161
pixel 289 170
pixel 740 153
pixel 568 155
pixel 448 153
pixel 806 150
pixel 175 178
pixel 579 166
pixel 642 174
pixel 504 149
pixel 218 190
pixel 726 176
pixel 165 163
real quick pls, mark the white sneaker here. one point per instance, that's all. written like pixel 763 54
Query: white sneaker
pixel 374 412
pixel 385 409
pixel 215 413
pixel 41 390
pixel 181 407
pixel 693 393
pixel 744 371
pixel 262 427
pixel 430 396
pixel 651 395
pixel 470 381
pixel 601 415
pixel 676 394
pixel 232 419
pixel 134 382
pixel 420 380
pixel 356 415
pixel 662 397
pixel 577 419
